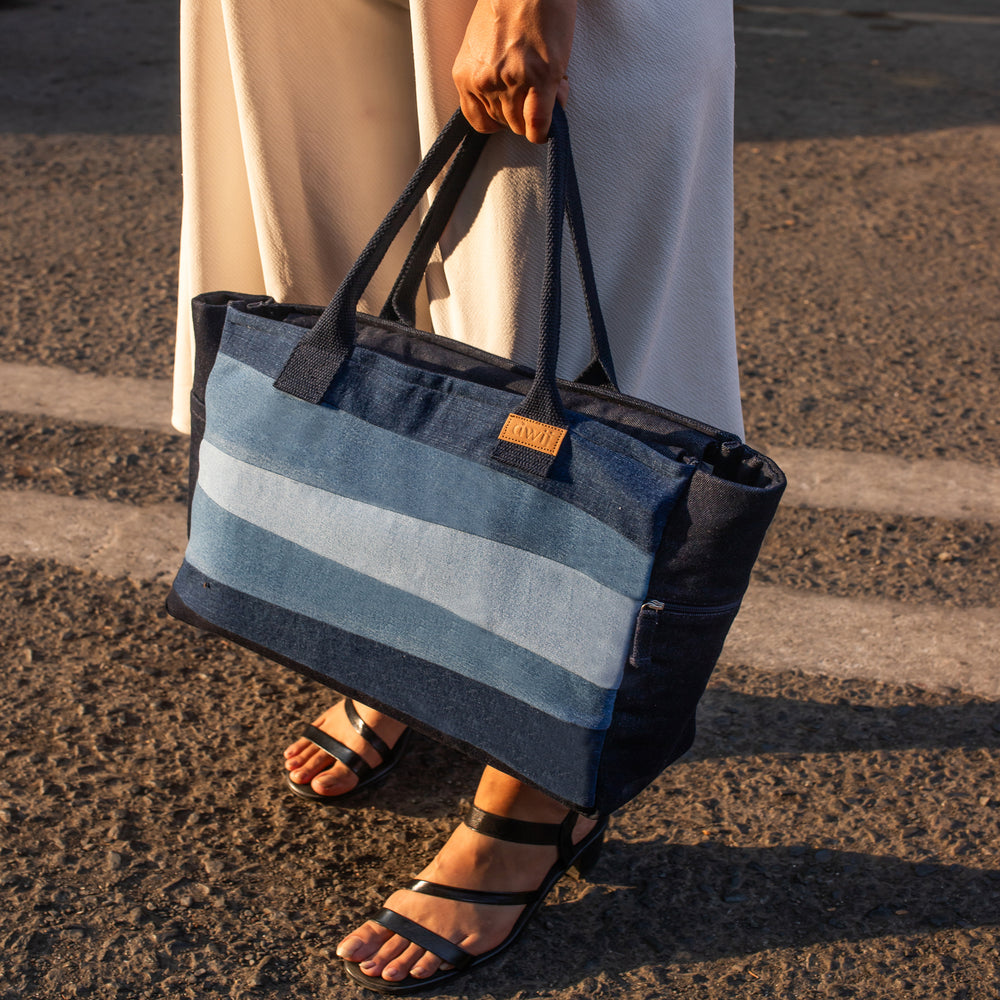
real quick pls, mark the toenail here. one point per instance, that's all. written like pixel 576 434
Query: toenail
pixel 418 972
pixel 368 965
pixel 392 973
pixel 349 948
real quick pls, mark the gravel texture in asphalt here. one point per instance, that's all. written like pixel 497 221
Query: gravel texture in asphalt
pixel 824 838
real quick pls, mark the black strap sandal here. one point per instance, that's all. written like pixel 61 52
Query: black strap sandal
pixel 581 857
pixel 369 776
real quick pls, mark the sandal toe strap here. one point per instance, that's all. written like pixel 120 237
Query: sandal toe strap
pixel 366 732
pixel 423 938
pixel 337 750
pixel 478 896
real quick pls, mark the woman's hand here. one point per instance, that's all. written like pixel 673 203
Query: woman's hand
pixel 512 65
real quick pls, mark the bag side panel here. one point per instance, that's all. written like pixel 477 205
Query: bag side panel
pixel 704 561
pixel 710 542
pixel 655 708
pixel 208 314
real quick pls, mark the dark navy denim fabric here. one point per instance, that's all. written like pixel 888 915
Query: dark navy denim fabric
pixel 604 472
pixel 561 627
pixel 494 726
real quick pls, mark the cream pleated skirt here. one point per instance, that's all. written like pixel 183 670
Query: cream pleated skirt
pixel 302 121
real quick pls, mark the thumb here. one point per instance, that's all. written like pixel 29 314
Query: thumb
pixel 538 106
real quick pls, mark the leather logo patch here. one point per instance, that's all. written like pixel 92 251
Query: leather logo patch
pixel 532 434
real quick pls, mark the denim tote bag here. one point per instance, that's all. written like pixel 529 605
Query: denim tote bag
pixel 539 572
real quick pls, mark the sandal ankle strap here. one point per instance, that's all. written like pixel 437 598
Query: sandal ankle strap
pixel 520 831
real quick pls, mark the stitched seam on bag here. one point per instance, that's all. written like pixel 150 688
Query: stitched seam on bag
pixel 580 434
pixel 584 492
pixel 377 373
pixel 371 360
pixel 463 387
pixel 425 520
pixel 642 405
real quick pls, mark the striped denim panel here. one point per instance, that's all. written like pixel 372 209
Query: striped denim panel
pixel 604 472
pixel 336 451
pixel 556 755
pixel 254 561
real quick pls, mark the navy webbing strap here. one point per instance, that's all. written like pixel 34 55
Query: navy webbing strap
pixel 323 350
pixel 321 353
pixel 401 304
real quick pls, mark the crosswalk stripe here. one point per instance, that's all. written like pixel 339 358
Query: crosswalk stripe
pixel 849 480
pixel 885 484
pixel 912 16
pixel 924 645
pixel 112 400
pixel 778 628
pixel 113 539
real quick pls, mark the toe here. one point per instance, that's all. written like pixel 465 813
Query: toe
pixel 362 944
pixel 305 767
pixel 335 781
pixel 390 950
pixel 402 965
pixel 297 749
pixel 303 747
pixel 426 965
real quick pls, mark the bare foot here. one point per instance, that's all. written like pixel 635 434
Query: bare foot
pixel 308 764
pixel 469 860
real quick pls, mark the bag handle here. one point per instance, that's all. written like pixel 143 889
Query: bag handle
pixel 401 304
pixel 323 350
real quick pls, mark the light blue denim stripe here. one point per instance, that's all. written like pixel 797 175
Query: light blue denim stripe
pixel 541 605
pixel 251 560
pixel 335 451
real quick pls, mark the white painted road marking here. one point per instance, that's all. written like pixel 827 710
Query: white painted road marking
pixel 915 17
pixel 112 400
pixel 113 539
pixel 777 628
pixel 925 645
pixel 885 484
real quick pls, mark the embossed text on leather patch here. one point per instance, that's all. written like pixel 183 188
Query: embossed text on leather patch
pixel 532 434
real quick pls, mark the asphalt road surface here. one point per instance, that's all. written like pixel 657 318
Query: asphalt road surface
pixel 835 830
